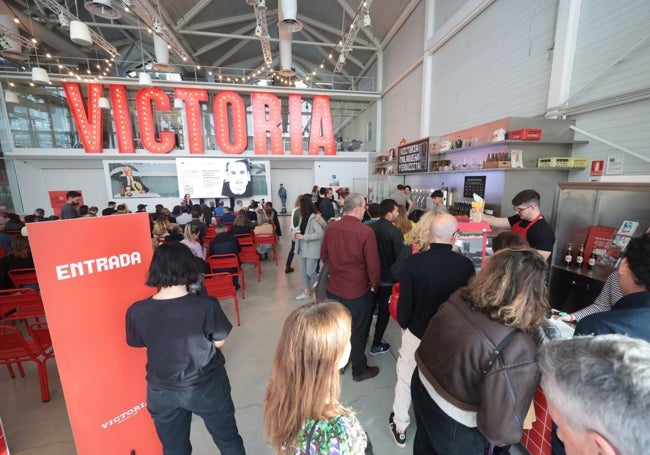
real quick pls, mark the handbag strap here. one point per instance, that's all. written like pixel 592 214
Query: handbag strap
pixel 499 349
pixel 311 434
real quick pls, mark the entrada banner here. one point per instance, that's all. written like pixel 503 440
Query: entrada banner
pixel 230 125
pixel 90 270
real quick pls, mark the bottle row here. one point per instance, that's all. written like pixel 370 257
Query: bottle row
pixel 580 257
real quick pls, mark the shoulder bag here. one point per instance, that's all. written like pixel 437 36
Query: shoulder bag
pixel 394 296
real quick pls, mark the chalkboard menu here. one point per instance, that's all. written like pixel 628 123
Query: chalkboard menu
pixel 413 157
pixel 474 184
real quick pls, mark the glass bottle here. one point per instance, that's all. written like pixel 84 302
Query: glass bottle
pixel 568 257
pixel 580 258
pixel 459 143
pixel 592 259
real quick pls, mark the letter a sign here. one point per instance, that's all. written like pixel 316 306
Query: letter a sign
pixel 89 271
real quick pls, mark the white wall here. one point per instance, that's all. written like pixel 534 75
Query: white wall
pixel 603 92
pixel 497 66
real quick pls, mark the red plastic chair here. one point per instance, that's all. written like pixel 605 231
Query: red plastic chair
pixel 3 253
pixel 220 285
pixel 14 348
pixel 219 262
pixel 248 255
pixel 245 238
pixel 265 239
pixel 21 304
pixel 23 277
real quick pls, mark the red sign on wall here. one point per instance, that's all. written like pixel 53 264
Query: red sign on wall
pixel 597 168
pixel 87 286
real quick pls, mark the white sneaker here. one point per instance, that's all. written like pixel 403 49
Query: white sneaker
pixel 303 296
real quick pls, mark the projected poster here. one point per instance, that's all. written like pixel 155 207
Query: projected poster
pixel 218 177
pixel 138 179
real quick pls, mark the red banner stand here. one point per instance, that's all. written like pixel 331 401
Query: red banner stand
pixel 58 198
pixel 90 270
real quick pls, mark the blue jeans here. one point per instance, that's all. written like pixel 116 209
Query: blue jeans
pixel 437 433
pixel 172 410
pixel 291 253
pixel 308 271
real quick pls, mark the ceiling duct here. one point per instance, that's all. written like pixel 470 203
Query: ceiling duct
pixel 103 8
pixel 289 21
pixel 162 55
pixel 284 35
pixel 285 54
pixel 10 46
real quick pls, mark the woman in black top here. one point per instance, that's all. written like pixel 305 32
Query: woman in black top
pixel 183 334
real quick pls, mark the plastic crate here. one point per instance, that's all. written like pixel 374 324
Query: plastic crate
pixel 563 162
pixel 525 135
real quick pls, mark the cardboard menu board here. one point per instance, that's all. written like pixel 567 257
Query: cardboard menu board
pixel 618 240
pixel 599 239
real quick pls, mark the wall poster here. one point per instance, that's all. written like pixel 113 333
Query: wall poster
pixel 218 177
pixel 141 179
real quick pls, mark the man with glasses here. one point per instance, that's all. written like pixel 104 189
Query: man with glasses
pixel 528 222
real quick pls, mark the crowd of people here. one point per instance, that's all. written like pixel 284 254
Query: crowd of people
pixel 474 346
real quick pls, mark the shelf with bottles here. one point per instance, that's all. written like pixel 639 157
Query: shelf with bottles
pixel 386 163
pixel 502 143
pixel 487 146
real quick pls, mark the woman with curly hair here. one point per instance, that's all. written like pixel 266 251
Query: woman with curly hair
pixel 302 413
pixel 418 239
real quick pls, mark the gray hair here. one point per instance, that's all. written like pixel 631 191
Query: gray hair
pixel 352 201
pixel 601 384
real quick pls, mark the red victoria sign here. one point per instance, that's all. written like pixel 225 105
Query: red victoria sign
pixel 229 118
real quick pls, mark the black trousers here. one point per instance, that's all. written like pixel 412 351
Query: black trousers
pixel 383 315
pixel 361 311
pixel 172 411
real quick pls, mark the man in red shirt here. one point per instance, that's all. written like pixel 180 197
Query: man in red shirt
pixel 350 248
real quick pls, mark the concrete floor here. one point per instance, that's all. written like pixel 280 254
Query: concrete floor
pixel 36 428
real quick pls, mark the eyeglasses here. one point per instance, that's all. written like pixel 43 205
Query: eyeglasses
pixel 521 209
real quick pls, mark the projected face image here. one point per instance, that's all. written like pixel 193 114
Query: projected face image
pixel 238 176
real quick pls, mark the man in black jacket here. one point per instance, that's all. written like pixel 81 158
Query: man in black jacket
pixel 427 281
pixel 390 241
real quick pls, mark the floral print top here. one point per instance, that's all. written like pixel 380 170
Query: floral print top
pixel 342 435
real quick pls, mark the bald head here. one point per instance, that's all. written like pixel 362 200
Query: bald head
pixel 443 228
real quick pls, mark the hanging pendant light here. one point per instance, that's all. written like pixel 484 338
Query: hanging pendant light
pixel 179 104
pixel 145 79
pixel 40 76
pixel 11 97
pixel 103 103
pixel 80 33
